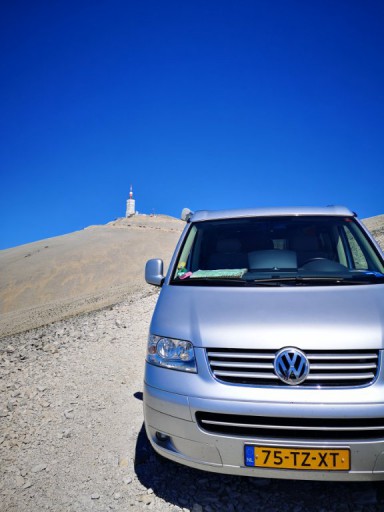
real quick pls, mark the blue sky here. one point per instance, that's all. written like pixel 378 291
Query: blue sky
pixel 206 104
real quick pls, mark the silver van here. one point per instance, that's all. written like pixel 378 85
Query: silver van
pixel 265 352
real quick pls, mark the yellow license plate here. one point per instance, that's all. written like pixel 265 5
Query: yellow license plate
pixel 298 458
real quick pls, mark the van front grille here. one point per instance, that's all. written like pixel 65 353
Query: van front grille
pixel 331 368
pixel 291 428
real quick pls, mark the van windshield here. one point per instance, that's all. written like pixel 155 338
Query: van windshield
pixel 289 250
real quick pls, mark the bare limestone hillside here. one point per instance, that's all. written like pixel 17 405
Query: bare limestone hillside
pixel 45 281
pixel 376 227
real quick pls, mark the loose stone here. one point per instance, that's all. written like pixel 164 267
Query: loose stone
pixel 38 468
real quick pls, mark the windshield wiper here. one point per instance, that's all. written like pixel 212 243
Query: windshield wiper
pixel 210 281
pixel 317 280
pixel 282 281
pixel 371 277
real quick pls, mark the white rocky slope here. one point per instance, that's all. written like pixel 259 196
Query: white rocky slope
pixel 376 227
pixel 66 275
pixel 72 439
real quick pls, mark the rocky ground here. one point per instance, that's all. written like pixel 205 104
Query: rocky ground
pixel 72 438
pixel 376 227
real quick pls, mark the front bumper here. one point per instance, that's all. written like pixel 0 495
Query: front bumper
pixel 174 433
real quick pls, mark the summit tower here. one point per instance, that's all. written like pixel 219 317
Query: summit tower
pixel 131 208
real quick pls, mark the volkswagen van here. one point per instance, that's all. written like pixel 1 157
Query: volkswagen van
pixel 265 350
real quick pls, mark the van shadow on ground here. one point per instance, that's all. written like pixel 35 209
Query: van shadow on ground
pixel 183 486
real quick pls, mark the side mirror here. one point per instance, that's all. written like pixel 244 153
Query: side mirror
pixel 154 272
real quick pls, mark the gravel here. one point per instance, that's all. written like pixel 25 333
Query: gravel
pixel 72 436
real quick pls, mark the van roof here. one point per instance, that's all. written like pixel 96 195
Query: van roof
pixel 202 215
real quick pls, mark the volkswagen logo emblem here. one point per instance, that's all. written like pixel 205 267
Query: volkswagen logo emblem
pixel 291 366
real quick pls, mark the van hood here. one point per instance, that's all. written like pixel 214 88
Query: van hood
pixel 321 317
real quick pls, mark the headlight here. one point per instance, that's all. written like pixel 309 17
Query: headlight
pixel 171 353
